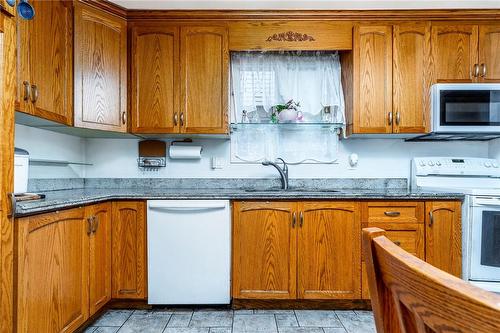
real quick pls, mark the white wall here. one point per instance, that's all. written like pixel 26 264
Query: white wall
pixel 43 144
pixel 378 158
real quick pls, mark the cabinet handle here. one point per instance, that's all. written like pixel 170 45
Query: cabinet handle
pixel 294 219
pixel 398 118
pixel 476 70
pixel 175 119
pixel 182 118
pixel 34 93
pixel 398 243
pixel 301 219
pixel 124 118
pixel 96 224
pixel 27 91
pixel 390 118
pixel 431 219
pixel 483 70
pixel 392 214
pixel 89 225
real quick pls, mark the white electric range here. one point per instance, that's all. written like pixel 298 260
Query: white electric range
pixel 479 180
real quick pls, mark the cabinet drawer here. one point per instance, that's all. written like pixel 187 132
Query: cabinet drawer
pixel 393 212
pixel 408 240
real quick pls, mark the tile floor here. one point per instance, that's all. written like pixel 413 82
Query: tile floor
pixel 229 321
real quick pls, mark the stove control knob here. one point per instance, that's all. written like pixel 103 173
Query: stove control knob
pixel 495 164
pixel 438 163
pixel 422 163
pixel 487 164
pixel 430 163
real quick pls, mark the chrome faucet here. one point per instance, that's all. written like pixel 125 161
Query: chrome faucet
pixel 283 171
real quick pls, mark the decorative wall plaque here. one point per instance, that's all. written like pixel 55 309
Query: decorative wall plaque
pixel 290 36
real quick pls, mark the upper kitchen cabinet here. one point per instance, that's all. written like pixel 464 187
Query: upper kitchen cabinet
pixel 100 70
pixel 489 53
pixel 411 77
pixel 45 59
pixel 391 78
pixel 372 82
pixel 204 79
pixel 179 79
pixel 155 79
pixel 290 35
pixel 454 52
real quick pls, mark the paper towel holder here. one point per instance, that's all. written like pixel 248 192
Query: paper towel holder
pixel 187 140
pixel 152 154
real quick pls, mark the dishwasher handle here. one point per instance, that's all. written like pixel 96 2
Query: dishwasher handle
pixel 187 206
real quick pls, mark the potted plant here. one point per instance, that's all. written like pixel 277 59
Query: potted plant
pixel 285 113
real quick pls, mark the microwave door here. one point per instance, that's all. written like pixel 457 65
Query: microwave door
pixel 467 111
pixel 485 249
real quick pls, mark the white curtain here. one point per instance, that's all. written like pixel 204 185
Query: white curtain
pixel 262 80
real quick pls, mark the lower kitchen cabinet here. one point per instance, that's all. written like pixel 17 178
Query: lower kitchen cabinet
pixel 264 250
pixel 443 236
pixel 128 234
pixel 99 222
pixel 329 250
pixel 289 250
pixel 53 262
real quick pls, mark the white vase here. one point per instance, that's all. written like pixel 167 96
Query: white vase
pixel 287 116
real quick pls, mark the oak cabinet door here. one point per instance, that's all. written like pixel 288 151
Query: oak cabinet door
pixel 443 236
pixel 128 234
pixel 45 52
pixel 264 250
pixel 99 217
pixel 53 266
pixel 329 250
pixel 155 79
pixel 204 58
pixel 100 70
pixel 489 53
pixel 372 79
pixel 454 52
pixel 411 77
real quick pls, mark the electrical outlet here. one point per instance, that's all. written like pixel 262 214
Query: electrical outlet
pixel 217 162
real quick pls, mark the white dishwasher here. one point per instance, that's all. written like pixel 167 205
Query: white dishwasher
pixel 189 251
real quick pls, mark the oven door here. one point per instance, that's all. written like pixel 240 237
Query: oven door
pixel 466 108
pixel 485 239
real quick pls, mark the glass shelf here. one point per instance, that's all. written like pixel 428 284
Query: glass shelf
pixel 298 126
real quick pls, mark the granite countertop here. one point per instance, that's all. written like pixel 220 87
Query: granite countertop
pixel 61 199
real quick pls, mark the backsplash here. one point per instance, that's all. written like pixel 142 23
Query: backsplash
pixel 117 158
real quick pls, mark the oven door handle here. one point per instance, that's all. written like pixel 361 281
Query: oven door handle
pixel 487 202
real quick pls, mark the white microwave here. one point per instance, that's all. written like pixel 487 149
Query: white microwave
pixel 465 108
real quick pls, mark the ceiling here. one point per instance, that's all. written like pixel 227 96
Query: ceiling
pixel 305 4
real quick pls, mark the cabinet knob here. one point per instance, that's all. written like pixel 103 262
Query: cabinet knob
pixel 95 224
pixel 89 225
pixel 294 219
pixel 27 91
pixel 124 118
pixel 175 119
pixel 390 118
pixel 182 118
pixel 392 213
pixel 483 70
pixel 475 70
pixel 34 93
pixel 431 219
pixel 398 118
pixel 398 243
pixel 301 219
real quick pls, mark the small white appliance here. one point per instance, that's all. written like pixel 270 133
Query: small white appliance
pixel 466 108
pixel 189 251
pixel 21 170
pixel 479 180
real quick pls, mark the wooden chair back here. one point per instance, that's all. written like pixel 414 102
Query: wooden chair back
pixel 409 295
